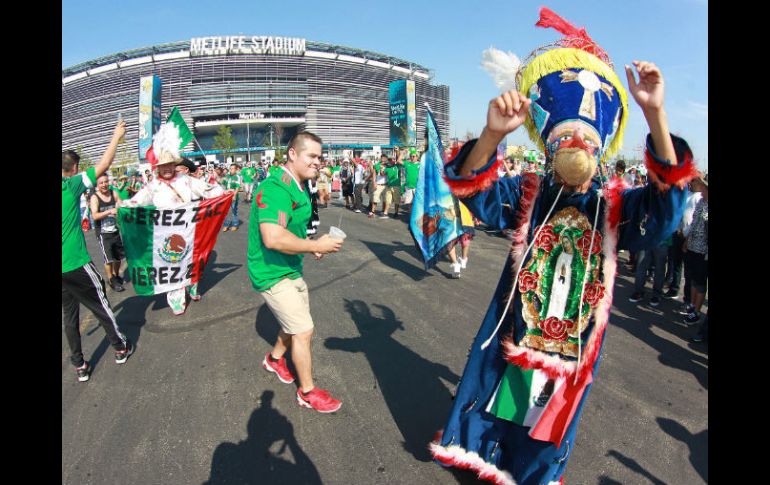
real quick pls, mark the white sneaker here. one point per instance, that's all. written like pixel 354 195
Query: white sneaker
pixel 463 262
pixel 456 270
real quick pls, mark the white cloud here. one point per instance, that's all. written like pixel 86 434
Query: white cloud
pixel 698 111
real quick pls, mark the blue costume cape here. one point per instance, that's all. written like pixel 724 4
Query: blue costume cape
pixel 498 449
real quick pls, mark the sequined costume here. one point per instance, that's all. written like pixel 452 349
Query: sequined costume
pixel 517 407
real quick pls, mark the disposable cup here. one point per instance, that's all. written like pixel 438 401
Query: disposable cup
pixel 336 233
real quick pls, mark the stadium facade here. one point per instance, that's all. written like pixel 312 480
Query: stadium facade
pixel 264 88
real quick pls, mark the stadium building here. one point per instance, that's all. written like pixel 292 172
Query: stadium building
pixel 264 88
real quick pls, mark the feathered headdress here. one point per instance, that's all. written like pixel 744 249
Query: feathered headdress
pixel 571 79
pixel 165 146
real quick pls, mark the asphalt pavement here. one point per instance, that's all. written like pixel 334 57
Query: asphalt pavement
pixel 193 404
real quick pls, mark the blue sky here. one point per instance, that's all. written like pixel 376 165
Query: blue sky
pixel 447 37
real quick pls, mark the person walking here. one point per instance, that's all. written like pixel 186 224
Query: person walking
pixel 104 207
pixel 80 282
pixel 232 181
pixel 277 244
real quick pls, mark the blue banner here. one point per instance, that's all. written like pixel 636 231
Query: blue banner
pixel 403 116
pixel 149 112
pixel 435 220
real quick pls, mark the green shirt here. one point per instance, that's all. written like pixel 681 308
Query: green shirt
pixel 248 175
pixel 412 170
pixel 73 242
pixel 281 201
pixel 231 182
pixel 394 175
pixel 122 190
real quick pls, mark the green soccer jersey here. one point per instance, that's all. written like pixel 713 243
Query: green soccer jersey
pixel 394 175
pixel 73 242
pixel 279 200
pixel 248 174
pixel 231 182
pixel 122 190
pixel 412 170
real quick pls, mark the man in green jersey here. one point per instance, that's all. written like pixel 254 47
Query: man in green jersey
pixel 393 190
pixel 80 282
pixel 411 173
pixel 277 244
pixel 122 188
pixel 232 181
pixel 248 174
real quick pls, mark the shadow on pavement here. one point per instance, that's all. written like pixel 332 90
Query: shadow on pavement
pixel 214 273
pixel 386 253
pixel 605 480
pixel 411 385
pixel 262 458
pixel 697 443
pixel 631 464
pixel 639 324
pixel 267 327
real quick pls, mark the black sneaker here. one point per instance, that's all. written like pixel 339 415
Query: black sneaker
pixel 686 309
pixel 691 319
pixel 121 356
pixel 120 280
pixel 84 372
pixel 116 285
pixel 636 297
pixel 671 293
pixel 655 300
pixel 698 338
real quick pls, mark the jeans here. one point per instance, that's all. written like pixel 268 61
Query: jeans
pixel 232 216
pixel 675 261
pixel 358 198
pixel 645 258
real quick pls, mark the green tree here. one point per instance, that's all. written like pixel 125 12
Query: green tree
pixel 224 140
pixel 85 160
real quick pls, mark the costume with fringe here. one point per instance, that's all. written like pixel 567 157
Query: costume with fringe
pixel 520 398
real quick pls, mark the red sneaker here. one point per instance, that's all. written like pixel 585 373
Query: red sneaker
pixel 318 399
pixel 279 368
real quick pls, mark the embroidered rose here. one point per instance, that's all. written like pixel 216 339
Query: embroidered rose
pixel 528 281
pixel 594 293
pixel 546 239
pixel 556 329
pixel 584 242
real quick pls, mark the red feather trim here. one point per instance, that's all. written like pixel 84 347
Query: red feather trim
pixel 469 187
pixel 664 176
pixel 615 187
pixel 573 37
pixel 455 150
pixel 464 460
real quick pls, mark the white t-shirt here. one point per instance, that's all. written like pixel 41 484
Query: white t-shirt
pixel 358 175
pixel 689 210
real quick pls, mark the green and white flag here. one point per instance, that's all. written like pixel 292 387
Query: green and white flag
pixel 167 249
pixel 185 135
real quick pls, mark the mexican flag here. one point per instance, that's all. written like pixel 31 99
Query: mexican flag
pixel 528 397
pixel 167 249
pixel 182 131
pixel 522 395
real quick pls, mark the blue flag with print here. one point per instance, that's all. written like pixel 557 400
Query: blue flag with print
pixel 435 220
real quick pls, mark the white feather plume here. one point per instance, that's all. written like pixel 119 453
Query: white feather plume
pixel 165 143
pixel 503 67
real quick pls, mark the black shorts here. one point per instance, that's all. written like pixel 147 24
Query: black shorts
pixel 697 268
pixel 111 246
pixel 347 190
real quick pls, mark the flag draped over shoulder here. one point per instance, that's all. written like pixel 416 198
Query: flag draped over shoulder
pixel 167 249
pixel 435 220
